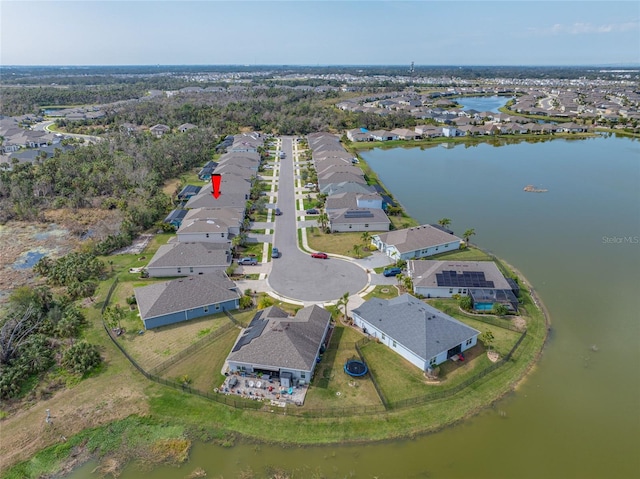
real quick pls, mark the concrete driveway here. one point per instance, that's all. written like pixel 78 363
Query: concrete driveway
pixel 295 275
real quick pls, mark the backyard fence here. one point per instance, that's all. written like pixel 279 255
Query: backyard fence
pixel 358 344
pixel 197 346
pixel 291 410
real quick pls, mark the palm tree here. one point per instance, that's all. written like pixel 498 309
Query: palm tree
pixel 323 220
pixel 343 301
pixel 357 250
pixel 468 234
pixel 444 222
pixel 366 237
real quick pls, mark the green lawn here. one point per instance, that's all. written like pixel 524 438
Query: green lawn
pixel 383 292
pixel 331 386
pixel 336 243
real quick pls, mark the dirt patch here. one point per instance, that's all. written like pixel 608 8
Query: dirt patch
pixel 519 322
pixel 493 356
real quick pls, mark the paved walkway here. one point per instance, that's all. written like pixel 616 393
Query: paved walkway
pixel 296 277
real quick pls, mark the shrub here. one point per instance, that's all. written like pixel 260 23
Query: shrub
pixel 81 358
pixel 466 303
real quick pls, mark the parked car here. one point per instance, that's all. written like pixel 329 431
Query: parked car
pixel 320 255
pixel 278 212
pixel 310 185
pixel 312 211
pixel 275 253
pixel 391 272
pixel 248 261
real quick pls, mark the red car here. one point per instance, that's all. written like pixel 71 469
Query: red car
pixel 320 255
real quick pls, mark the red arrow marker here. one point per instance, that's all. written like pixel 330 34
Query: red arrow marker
pixel 215 182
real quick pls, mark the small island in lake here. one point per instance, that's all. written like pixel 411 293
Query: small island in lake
pixel 533 189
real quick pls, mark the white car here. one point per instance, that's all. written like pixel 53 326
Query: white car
pixel 310 185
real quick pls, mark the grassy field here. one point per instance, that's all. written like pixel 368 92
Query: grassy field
pixel 204 367
pixel 336 243
pixel 331 386
pixel 383 292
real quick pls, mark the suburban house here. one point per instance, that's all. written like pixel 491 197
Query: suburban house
pixel 282 346
pixel 353 200
pixel 183 299
pixel 417 242
pixel 159 130
pixel 383 135
pixel 185 259
pixel 482 280
pixel 359 134
pixel 358 219
pixel 206 226
pixel 418 332
pixel 234 194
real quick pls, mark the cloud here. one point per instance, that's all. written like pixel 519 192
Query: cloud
pixel 580 28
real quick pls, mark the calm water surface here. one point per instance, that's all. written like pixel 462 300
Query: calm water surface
pixel 483 103
pixel 578 414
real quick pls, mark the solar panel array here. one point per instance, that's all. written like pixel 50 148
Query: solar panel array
pixel 253 331
pixel 358 214
pixel 468 279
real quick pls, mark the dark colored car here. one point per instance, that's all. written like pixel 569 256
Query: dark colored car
pixel 275 253
pixel 248 261
pixel 312 211
pixel 320 255
pixel 391 272
pixel 278 212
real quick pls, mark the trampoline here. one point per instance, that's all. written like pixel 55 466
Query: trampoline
pixel 355 368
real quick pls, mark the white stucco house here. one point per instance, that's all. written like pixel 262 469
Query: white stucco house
pixel 417 242
pixel 418 332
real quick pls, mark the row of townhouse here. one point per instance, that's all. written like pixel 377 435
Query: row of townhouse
pixel 433 131
pixel 201 250
pixel 351 204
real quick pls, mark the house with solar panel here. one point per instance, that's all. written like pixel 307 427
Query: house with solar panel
pixel 281 346
pixel 170 302
pixel 417 242
pixel 481 280
pixel 358 219
pixel 420 333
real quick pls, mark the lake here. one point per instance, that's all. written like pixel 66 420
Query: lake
pixel 578 414
pixel 483 103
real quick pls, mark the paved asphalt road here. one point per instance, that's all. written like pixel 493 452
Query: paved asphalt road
pixel 295 274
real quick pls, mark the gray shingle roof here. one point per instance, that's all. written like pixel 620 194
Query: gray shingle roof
pixel 282 341
pixel 419 237
pixel 191 254
pixel 416 325
pixel 177 295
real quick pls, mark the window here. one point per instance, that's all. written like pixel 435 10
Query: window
pixel 446 246
pixel 450 290
pixel 459 291
pixel 303 375
pixel 383 336
pixel 179 270
pixel 190 269
pixel 206 309
pixel 217 306
pixel 366 225
pixel 222 234
pixel 394 344
pixel 469 341
pixel 350 226
pixel 432 361
pixel 207 235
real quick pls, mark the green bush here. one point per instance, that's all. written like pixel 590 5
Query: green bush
pixel 81 358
